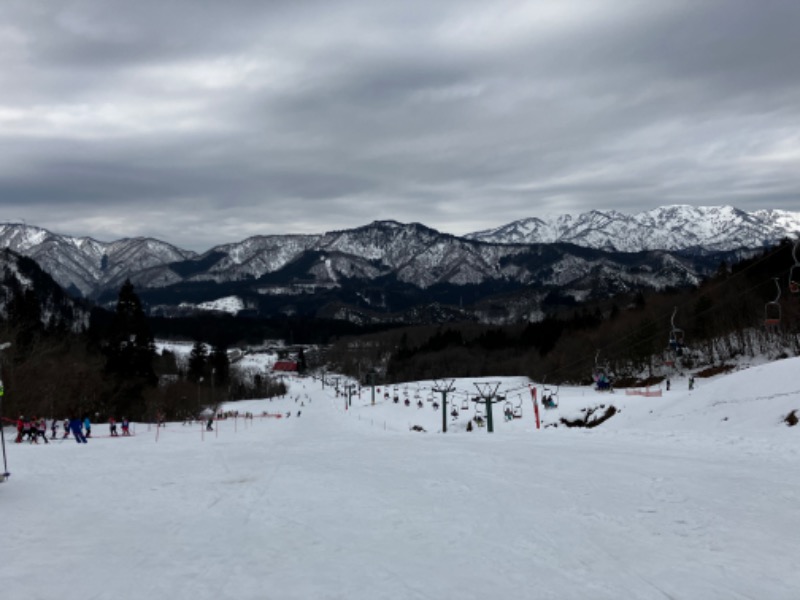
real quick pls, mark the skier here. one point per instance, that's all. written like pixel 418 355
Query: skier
pixel 20 429
pixel 210 424
pixel 668 384
pixel 125 426
pixel 41 430
pixel 32 428
pixel 87 425
pixel 76 429
pixel 53 429
pixel 66 429
pixel 112 426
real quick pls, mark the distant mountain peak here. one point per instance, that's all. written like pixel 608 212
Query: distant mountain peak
pixel 673 227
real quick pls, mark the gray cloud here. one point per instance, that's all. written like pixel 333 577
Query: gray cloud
pixel 204 122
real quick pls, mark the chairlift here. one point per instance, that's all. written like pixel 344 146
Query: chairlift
pixel 549 398
pixel 794 271
pixel 772 309
pixel 676 337
pixel 517 411
pixel 508 410
pixel 465 402
pixel 478 409
pixel 601 377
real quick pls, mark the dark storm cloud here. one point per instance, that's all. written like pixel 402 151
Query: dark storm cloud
pixel 204 122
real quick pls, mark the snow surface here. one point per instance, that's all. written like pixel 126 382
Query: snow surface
pixel 694 494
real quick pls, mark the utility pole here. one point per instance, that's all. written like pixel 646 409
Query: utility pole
pixel 371 376
pixel 443 386
pixel 5 474
pixel 488 393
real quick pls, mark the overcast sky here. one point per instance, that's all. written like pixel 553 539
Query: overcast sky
pixel 204 122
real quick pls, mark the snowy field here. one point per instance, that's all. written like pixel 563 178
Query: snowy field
pixel 693 495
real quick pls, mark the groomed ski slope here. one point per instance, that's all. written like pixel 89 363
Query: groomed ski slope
pixel 694 495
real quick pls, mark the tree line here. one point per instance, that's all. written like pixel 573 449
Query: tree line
pixel 721 318
pixel 109 366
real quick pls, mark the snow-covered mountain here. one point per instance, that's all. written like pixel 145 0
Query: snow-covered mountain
pixel 84 265
pixel 676 227
pixel 394 271
pixel 31 298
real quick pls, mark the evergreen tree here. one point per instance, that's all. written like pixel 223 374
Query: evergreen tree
pixel 130 352
pixel 302 365
pixel 220 364
pixel 198 362
pixel 131 348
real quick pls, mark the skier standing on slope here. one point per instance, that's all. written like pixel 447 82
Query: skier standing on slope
pixel 75 426
pixel 41 430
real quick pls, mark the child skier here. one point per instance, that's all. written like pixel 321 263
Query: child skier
pixel 41 430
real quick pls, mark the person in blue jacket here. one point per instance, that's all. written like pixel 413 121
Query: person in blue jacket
pixel 87 425
pixel 76 427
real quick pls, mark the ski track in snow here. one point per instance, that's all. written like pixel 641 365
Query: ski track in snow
pixel 665 501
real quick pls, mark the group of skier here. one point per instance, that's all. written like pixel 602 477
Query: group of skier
pixel 33 429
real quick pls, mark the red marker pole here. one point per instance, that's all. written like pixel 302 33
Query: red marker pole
pixel 535 407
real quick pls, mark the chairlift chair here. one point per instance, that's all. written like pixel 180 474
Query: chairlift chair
pixel 794 271
pixel 508 410
pixel 465 402
pixel 676 337
pixel 550 398
pixel 517 411
pixel 772 309
pixel 479 410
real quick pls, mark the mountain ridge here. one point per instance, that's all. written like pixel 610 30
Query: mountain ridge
pixel 390 270
pixel 673 227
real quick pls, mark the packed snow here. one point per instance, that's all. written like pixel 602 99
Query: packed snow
pixel 693 494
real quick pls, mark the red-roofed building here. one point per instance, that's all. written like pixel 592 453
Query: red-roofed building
pixel 285 366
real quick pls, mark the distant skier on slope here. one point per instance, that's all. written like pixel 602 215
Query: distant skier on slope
pixel 76 427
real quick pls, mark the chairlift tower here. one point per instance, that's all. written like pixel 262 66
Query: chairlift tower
pixel 443 386
pixel 488 395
